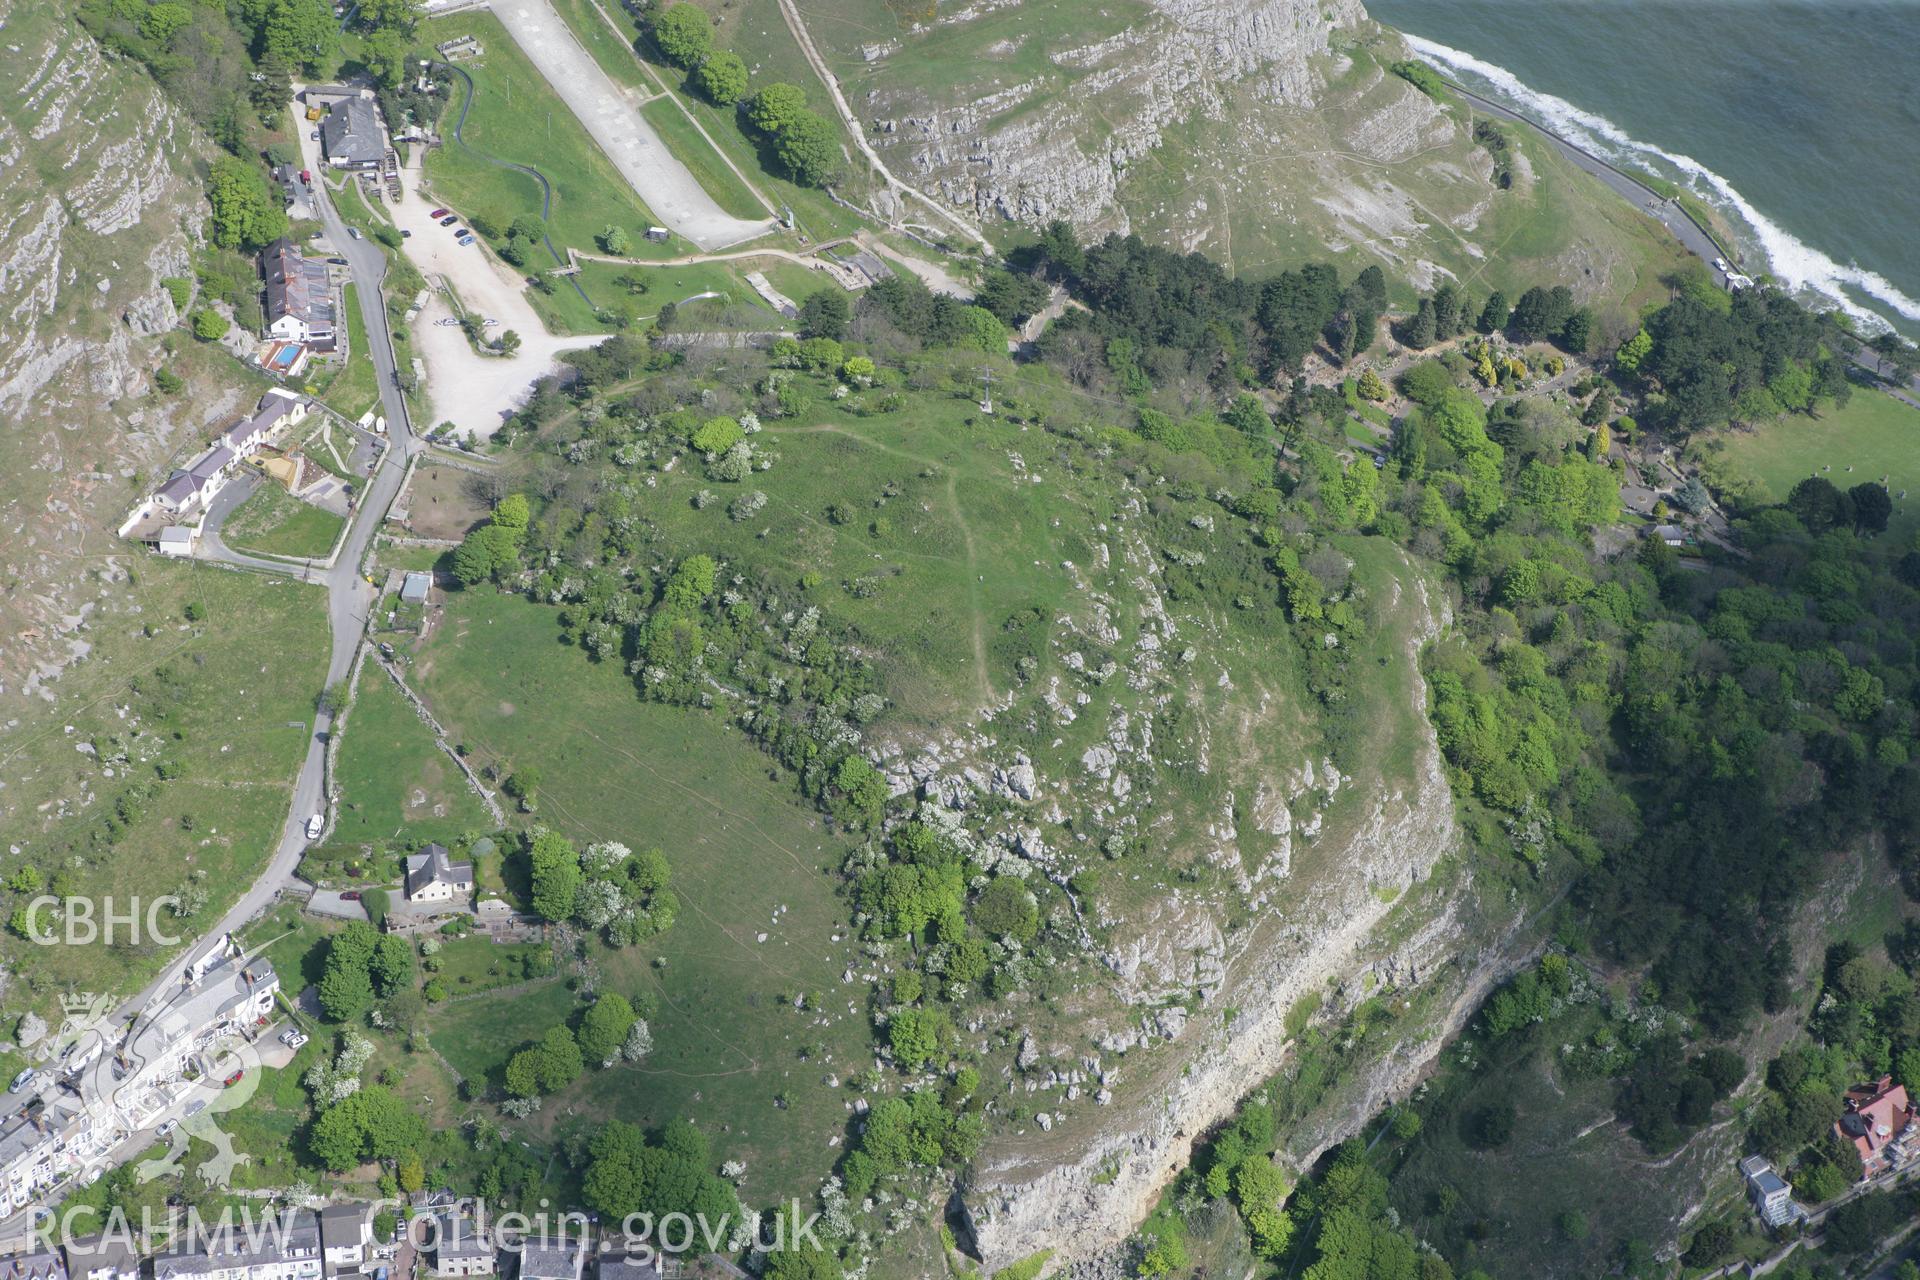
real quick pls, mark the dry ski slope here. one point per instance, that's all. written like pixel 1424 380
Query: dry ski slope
pixel 614 120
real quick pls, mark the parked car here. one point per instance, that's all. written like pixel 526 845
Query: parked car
pixel 438 213
pixel 306 176
pixel 166 1127
pixel 351 895
pixel 466 239
pixel 405 234
pixel 22 1080
pixel 354 232
pixel 488 323
pixel 448 221
pixel 315 825
pixel 314 136
pixel 195 1107
pixel 337 262
pixel 236 1077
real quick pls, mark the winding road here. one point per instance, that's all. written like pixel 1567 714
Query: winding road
pixel 349 597
pixel 349 594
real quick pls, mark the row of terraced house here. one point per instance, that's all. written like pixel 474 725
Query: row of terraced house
pixel 101 1085
pixel 170 517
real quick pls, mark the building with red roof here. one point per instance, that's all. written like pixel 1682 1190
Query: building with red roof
pixel 1880 1125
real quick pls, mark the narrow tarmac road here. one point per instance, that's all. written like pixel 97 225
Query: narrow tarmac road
pixel 349 597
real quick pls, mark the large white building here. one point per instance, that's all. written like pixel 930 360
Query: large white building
pixel 189 490
pixel 1772 1197
pixel 223 1001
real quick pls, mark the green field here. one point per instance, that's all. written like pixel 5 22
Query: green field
pixel 193 731
pixel 353 391
pixel 275 523
pixel 563 311
pixel 394 781
pixel 516 116
pixel 741 846
pixel 1874 437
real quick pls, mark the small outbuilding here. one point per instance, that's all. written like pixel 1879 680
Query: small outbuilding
pixel 415 586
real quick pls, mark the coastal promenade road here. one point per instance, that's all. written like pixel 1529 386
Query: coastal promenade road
pixel 1692 237
pixel 612 116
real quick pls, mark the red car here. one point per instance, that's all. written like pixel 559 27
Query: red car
pixel 438 213
pixel 351 895
pixel 235 1077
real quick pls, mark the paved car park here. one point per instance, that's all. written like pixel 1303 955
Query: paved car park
pixel 474 392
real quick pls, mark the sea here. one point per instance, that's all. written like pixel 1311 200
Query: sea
pixel 1798 121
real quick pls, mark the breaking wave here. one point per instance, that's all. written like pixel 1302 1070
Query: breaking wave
pixel 1797 265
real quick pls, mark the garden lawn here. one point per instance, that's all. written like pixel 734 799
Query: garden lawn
pixel 273 522
pixel 352 391
pixel 563 311
pixel 473 964
pixel 394 779
pixel 1875 435
pixel 516 116
pixel 751 864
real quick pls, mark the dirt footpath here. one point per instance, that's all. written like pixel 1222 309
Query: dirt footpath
pixel 474 392
pixel 613 118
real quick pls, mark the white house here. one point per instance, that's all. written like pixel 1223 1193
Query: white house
pixel 346 1236
pixel 286 1247
pixel 458 1249
pixel 43 1142
pixel 223 995
pixel 1772 1197
pixel 351 135
pixel 299 295
pixel 40 1264
pixel 195 485
pixel 434 877
pixel 277 410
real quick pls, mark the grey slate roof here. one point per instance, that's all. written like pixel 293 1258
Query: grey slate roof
pixel 555 1261
pixel 271 409
pixel 284 268
pixel 113 1253
pixel 432 866
pixel 41 1264
pixel 352 134
pixel 456 1238
pixel 628 1269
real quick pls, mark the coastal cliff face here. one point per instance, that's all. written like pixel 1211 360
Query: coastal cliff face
pixel 1336 897
pixel 98 204
pixel 1031 150
pixel 1261 132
